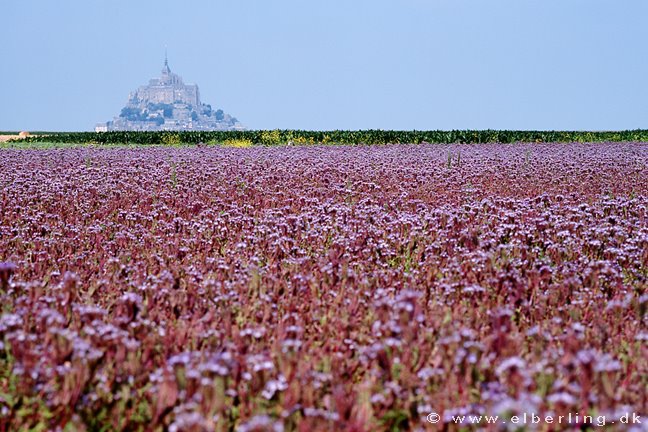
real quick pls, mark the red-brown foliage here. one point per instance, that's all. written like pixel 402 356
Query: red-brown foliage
pixel 326 288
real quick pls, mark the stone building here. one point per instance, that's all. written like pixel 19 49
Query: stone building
pixel 167 103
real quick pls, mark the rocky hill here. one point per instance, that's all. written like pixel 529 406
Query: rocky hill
pixel 167 103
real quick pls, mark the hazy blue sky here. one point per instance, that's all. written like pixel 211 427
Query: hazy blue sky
pixel 334 64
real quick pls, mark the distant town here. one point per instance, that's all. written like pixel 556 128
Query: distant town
pixel 167 103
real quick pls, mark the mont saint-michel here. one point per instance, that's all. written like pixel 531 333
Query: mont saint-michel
pixel 167 103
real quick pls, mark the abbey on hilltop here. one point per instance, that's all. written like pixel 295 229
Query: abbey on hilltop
pixel 167 103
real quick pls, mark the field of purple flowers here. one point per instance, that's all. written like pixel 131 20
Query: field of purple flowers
pixel 321 288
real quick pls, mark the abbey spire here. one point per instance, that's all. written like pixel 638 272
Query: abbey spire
pixel 166 70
